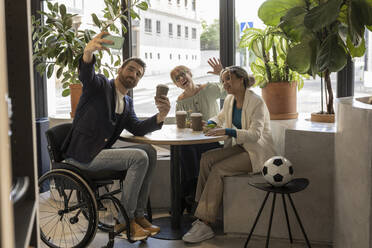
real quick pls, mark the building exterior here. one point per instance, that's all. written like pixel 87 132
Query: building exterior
pixel 167 35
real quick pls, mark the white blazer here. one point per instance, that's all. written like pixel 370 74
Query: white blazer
pixel 255 135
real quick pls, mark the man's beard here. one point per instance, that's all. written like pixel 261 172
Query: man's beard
pixel 127 82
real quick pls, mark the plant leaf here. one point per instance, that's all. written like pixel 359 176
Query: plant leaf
pixel 62 10
pixel 142 5
pixel 50 70
pixel 322 15
pixel 106 73
pixel 271 11
pixel 299 57
pixel 66 92
pixel 356 51
pixel 59 72
pixel 355 23
pixel 96 20
pixel 293 25
pixel 331 55
pixel 134 14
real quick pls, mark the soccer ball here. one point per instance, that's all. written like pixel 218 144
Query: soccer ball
pixel 277 171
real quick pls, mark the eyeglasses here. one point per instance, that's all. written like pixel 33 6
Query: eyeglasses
pixel 182 74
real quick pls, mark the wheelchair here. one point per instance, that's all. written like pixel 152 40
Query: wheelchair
pixel 74 203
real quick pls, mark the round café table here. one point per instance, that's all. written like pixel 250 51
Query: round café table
pixel 175 226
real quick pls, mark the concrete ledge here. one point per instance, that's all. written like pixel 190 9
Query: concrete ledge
pixel 311 151
pixel 353 187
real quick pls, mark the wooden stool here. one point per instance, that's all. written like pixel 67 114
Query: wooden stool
pixel 293 186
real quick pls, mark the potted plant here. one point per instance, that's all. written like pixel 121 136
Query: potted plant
pixel 59 43
pixel 278 82
pixel 326 33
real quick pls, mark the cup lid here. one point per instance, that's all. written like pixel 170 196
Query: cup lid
pixel 196 115
pixel 162 85
pixel 181 112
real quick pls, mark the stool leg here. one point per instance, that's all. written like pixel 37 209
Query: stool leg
pixel 255 222
pixel 299 221
pixel 271 221
pixel 286 217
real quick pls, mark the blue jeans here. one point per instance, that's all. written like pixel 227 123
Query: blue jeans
pixel 139 161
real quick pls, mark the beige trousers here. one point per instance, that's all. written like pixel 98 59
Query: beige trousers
pixel 214 165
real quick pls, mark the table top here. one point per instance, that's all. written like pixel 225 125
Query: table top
pixel 171 135
pixel 296 185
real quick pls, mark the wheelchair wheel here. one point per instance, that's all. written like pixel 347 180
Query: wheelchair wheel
pixel 68 210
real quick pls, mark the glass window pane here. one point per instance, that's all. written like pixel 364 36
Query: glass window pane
pixel 179 44
pixel 57 104
pixel 309 97
pixel 363 70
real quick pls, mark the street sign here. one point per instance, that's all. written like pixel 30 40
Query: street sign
pixel 245 25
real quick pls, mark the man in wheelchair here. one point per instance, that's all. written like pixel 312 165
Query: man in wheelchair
pixel 103 112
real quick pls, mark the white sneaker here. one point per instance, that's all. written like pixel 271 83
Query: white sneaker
pixel 198 232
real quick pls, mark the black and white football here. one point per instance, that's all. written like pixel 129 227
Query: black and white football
pixel 277 171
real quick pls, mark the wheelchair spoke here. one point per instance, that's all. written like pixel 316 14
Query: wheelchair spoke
pixel 72 232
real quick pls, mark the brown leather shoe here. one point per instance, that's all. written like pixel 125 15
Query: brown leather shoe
pixel 145 224
pixel 136 231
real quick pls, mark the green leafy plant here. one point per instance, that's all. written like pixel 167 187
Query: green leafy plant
pixel 326 32
pixel 270 46
pixel 59 43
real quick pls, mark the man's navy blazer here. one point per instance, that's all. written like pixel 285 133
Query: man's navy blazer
pixel 96 126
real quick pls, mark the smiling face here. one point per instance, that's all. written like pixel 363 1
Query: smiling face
pixel 130 74
pixel 182 77
pixel 231 83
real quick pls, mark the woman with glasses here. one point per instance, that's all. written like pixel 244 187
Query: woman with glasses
pixel 195 98
pixel 246 120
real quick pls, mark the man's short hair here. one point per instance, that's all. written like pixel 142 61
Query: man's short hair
pixel 137 60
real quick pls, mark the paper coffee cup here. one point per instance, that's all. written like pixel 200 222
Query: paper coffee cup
pixel 181 119
pixel 161 90
pixel 196 121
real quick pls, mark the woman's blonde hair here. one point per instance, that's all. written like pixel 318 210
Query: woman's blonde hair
pixel 179 68
pixel 239 72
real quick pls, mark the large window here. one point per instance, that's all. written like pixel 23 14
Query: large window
pixel 169 52
pixel 57 104
pixel 308 98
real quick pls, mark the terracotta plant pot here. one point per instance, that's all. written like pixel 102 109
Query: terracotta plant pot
pixel 322 117
pixel 281 100
pixel 75 93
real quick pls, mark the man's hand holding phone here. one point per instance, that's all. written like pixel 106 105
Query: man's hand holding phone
pixel 98 43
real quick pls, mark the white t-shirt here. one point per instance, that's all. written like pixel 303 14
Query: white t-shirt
pixel 119 102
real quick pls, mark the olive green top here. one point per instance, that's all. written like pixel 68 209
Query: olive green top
pixel 205 101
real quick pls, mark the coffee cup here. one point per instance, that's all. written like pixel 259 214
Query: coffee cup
pixel 161 90
pixel 181 119
pixel 196 121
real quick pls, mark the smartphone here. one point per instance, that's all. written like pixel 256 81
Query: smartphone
pixel 118 41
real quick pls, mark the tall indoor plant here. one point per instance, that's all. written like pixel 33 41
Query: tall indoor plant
pixel 59 43
pixel 326 33
pixel 278 82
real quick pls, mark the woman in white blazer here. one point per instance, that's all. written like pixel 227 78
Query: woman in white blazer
pixel 246 120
